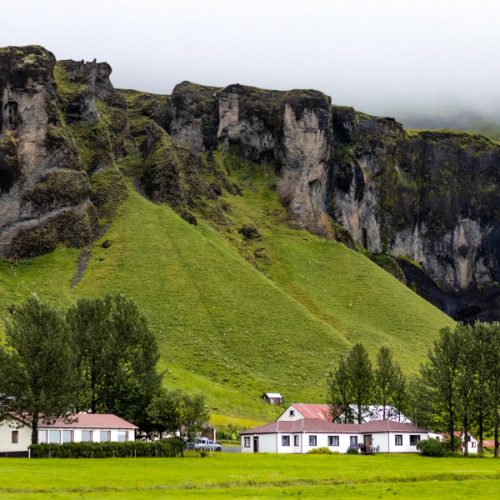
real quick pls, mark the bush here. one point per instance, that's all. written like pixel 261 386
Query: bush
pixel 163 448
pixel 353 451
pixel 319 451
pixel 431 448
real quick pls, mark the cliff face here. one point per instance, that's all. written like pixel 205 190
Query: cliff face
pixel 67 139
pixel 429 199
pixel 44 193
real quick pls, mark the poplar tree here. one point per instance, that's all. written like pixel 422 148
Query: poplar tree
pixel 440 375
pixel 359 371
pixel 389 380
pixel 38 371
pixel 118 355
pixel 340 391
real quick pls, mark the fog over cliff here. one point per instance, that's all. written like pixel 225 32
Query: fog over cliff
pixel 402 58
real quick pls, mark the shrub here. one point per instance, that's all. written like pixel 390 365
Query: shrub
pixel 431 448
pixel 353 451
pixel 319 451
pixel 163 448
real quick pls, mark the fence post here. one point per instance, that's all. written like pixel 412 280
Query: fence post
pixel 29 452
pixel 135 452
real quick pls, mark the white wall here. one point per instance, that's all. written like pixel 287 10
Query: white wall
pixel 273 443
pixel 24 436
pixel 386 441
pixel 267 443
pixel 286 417
pixel 77 433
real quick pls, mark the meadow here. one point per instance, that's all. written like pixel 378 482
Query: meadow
pixel 249 476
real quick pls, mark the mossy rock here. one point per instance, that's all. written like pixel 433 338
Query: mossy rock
pixel 58 189
pixel 10 166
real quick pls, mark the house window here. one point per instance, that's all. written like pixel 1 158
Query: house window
pixel 296 440
pixel 333 441
pixel 414 439
pixel 104 436
pixel 313 440
pixel 122 436
pixel 87 436
pixel 353 440
pixel 472 444
pixel 42 436
pixel 54 437
pixel 67 436
pixel 291 413
pixel 399 439
pixel 285 440
pixel 246 441
pixel 15 437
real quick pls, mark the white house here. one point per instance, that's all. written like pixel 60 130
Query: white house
pixel 304 434
pixel 15 431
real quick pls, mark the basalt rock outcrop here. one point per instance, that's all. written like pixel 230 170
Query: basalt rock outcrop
pixel 427 200
pixel 44 198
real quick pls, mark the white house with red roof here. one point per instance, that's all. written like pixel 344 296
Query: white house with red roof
pixel 15 431
pixel 301 435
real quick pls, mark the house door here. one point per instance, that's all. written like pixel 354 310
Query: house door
pixel 367 442
pixel 255 444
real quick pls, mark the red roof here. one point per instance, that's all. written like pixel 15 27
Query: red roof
pixel 321 411
pixel 89 421
pixel 322 426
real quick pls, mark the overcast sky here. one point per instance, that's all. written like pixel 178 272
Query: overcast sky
pixel 386 57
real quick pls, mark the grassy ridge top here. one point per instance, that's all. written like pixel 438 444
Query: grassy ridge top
pixel 231 324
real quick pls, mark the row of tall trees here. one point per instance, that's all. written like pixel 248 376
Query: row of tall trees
pixel 354 381
pixel 98 356
pixel 458 388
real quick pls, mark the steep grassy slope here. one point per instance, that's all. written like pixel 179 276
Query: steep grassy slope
pixel 235 317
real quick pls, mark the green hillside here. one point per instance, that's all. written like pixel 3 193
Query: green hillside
pixel 236 317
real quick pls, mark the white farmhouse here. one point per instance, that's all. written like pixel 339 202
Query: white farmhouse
pixel 304 434
pixel 15 431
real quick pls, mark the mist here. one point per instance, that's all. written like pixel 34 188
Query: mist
pixel 401 58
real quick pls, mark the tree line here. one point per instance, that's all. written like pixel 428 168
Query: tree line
pixel 98 356
pixel 456 389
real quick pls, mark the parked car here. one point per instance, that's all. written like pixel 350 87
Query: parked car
pixel 203 443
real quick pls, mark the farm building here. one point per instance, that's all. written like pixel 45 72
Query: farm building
pixel 273 398
pixel 15 431
pixel 304 434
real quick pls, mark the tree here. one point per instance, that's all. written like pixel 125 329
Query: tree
pixel 177 412
pixel 38 370
pixel 466 379
pixel 493 363
pixel 418 409
pixel 481 395
pixel 360 374
pixel 118 354
pixel 440 377
pixel 389 380
pixel 340 391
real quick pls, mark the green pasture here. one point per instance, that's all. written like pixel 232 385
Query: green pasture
pixel 236 475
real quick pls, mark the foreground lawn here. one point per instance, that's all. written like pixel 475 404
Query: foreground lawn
pixel 251 476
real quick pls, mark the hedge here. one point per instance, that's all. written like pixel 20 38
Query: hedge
pixel 110 449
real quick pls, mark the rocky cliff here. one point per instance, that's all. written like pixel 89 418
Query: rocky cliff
pixel 426 201
pixel 429 199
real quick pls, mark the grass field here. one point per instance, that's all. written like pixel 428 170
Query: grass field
pixel 233 476
pixel 235 318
